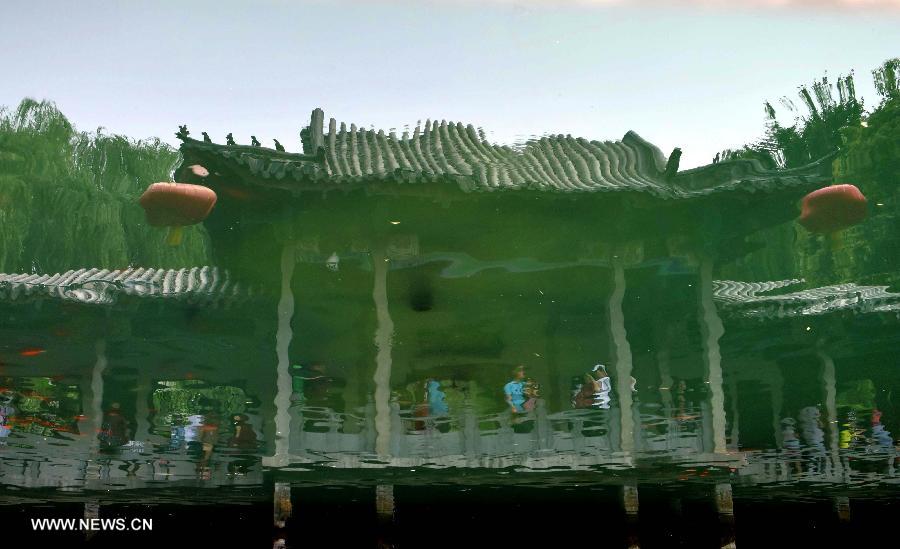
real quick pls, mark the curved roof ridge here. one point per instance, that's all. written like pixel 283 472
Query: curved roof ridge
pixel 336 155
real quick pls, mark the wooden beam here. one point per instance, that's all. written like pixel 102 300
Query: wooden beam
pixel 725 508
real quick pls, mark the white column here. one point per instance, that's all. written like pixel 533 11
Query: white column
pixel 96 411
pixel 622 365
pixel 283 338
pixel 92 402
pixel 829 388
pixel 711 330
pixel 384 334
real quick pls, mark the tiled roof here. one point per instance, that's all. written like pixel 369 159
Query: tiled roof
pixel 342 156
pixel 204 285
pixel 744 299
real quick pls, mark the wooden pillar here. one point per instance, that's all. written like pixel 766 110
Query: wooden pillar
pixel 282 511
pixel 631 505
pixel 622 365
pixel 91 512
pixel 711 330
pixel 842 509
pixel 725 509
pixel 383 359
pixel 385 510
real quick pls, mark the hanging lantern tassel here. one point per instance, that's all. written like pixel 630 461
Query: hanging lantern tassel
pixel 176 205
pixel 830 210
pixel 835 240
pixel 175 235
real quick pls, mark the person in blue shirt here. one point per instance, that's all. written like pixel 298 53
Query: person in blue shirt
pixel 515 390
pixel 437 402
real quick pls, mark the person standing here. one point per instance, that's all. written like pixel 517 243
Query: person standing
pixel 515 390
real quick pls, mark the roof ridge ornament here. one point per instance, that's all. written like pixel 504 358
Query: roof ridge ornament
pixel 313 136
pixel 672 163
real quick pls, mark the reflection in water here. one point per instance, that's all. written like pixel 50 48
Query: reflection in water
pixel 38 405
pixel 593 391
pixel 515 391
pixel 712 330
pixel 6 412
pixel 623 358
pixel 244 436
pixel 436 399
pixel 461 345
pixel 811 432
pixel 114 431
pixel 283 337
pixel 217 429
pixel 383 343
pixel 881 437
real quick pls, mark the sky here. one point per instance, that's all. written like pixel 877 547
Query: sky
pixel 691 74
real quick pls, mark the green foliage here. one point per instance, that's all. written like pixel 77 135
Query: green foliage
pixel 887 79
pixel 817 132
pixel 858 395
pixel 869 157
pixel 179 399
pixel 43 406
pixel 872 151
pixel 68 199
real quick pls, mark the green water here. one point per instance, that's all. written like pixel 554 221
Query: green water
pixel 422 334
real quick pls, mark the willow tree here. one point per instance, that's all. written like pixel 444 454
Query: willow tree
pixel 68 199
pixel 870 158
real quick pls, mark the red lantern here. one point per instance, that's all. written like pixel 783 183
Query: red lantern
pixel 175 205
pixel 833 208
pixel 199 170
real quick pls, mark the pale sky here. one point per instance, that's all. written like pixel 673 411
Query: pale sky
pixel 688 74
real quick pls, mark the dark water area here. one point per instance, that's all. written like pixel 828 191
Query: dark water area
pixel 432 341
